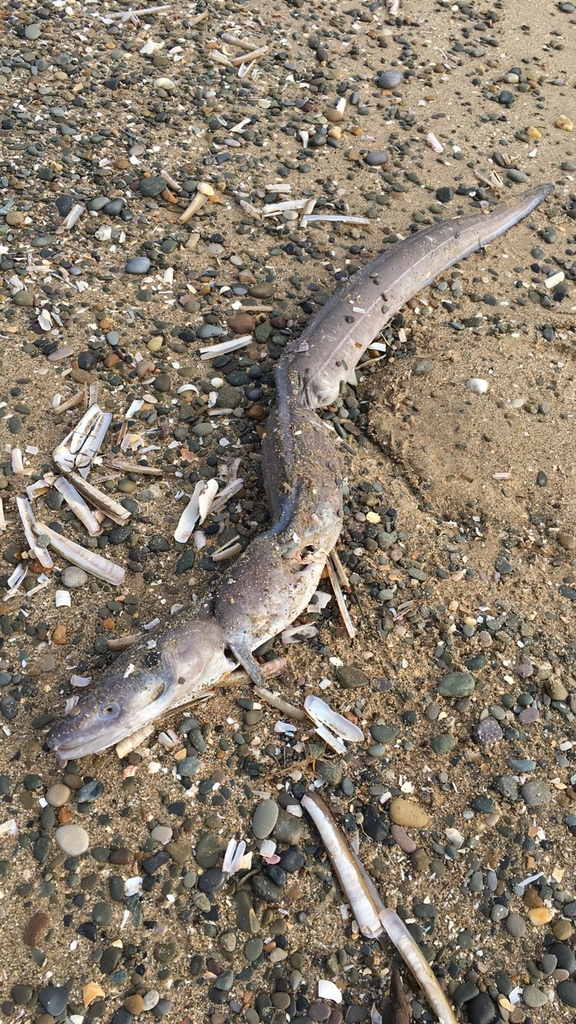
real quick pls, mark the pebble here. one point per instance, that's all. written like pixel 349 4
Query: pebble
pixel 351 676
pixel 481 1009
pixel 74 577
pixel 566 992
pixel 534 997
pixel 376 158
pixel 487 732
pixel 72 839
pixel 515 925
pixel 138 265
pixel 265 818
pixel 58 794
pixel 36 928
pixel 54 999
pixel 407 813
pixel 535 793
pixel 390 79
pixel 457 684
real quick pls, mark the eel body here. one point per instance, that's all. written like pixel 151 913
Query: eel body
pixel 273 580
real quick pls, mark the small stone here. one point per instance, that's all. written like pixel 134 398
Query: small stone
pixel 59 634
pixel 242 323
pixel 481 1010
pixel 540 916
pixel 390 79
pixel 567 540
pixel 400 836
pixel 535 793
pixel 21 994
pixel 54 999
pixel 57 794
pixel 562 930
pixel 565 123
pixel 35 929
pixel 74 577
pixel 487 731
pixel 265 818
pixel 151 187
pixel 72 840
pixel 443 743
pixel 350 676
pixel 566 992
pixel 457 684
pixel 24 298
pixel 138 265
pixel 515 924
pixel 407 813
pixel 534 997
pixel 377 157
pixel 33 31
pixel 134 1004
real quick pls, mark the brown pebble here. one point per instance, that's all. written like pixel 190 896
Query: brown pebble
pixel 560 974
pixel 134 1004
pixel 121 856
pixel 44 1018
pixel 65 816
pixel 532 899
pixel 36 928
pixel 400 836
pixel 562 929
pixel 567 540
pixel 111 360
pixel 15 218
pixel 407 813
pixel 540 915
pixel 256 412
pixel 420 860
pixel 109 623
pixel 242 323
pixel 59 634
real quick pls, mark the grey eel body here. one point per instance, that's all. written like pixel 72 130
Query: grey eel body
pixel 273 580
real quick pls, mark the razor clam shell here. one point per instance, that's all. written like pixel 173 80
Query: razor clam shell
pixel 85 559
pixel 29 523
pixel 112 508
pixel 78 506
pixel 129 743
pixel 323 715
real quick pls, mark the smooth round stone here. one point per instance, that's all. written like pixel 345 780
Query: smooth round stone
pixel 57 794
pixel 390 79
pixel 535 793
pixel 21 994
pixel 318 1011
pixel 162 834
pixel 534 997
pixel 54 999
pixel 377 157
pixel 73 577
pixel 457 684
pixel 407 813
pixel 207 851
pixel 102 914
pixel 72 840
pixel 487 732
pixel 138 265
pixel 212 880
pixel 515 925
pixel 253 949
pixel 481 1009
pixel 265 818
pixel 33 31
pixel 24 298
pixel 565 956
pixel 566 992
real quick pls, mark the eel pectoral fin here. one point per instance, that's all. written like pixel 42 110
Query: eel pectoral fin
pixel 244 655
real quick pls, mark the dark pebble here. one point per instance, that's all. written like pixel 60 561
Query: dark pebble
pixel 566 991
pixel 487 732
pixel 90 792
pixel 444 195
pixel 54 999
pixel 481 1009
pixel 211 880
pixel 350 676
pixel 152 186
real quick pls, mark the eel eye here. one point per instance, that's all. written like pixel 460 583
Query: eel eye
pixel 108 711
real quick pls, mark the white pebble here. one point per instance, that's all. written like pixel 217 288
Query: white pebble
pixel 72 839
pixel 477 385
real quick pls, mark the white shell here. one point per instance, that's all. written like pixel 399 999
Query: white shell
pixel 323 715
pixel 478 385
pixel 328 990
